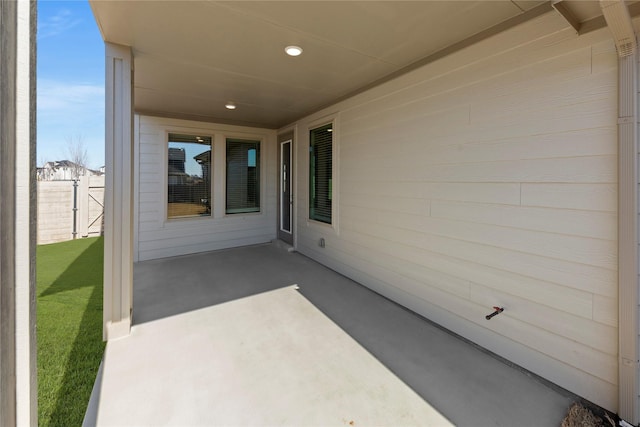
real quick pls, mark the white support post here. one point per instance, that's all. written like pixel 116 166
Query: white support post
pixel 628 238
pixel 118 224
pixel 622 30
pixel 82 214
pixel 18 380
pixel 25 231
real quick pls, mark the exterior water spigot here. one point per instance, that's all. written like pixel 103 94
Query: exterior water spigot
pixel 497 311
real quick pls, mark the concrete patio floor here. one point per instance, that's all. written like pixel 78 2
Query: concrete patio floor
pixel 223 338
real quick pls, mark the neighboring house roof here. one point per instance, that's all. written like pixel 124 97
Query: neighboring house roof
pixel 203 157
pixel 60 169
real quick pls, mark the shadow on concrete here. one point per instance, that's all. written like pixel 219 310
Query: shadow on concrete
pixel 170 286
pixel 467 385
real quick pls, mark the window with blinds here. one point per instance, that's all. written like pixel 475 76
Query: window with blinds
pixel 243 176
pixel 189 176
pixel 320 173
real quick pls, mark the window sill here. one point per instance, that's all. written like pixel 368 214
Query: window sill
pixel 322 226
pixel 185 220
pixel 243 214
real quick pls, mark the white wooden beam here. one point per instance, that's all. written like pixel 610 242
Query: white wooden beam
pixel 563 9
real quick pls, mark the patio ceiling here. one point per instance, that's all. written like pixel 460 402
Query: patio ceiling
pixel 193 57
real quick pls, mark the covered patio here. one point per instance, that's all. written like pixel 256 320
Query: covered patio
pixel 224 338
pixel 450 157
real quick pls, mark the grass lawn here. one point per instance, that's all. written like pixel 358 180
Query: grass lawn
pixel 69 312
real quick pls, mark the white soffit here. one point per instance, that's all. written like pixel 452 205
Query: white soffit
pixel 192 57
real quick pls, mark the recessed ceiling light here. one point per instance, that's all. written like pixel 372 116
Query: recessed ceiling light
pixel 293 50
pixel 230 106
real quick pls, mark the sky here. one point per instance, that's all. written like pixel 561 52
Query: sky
pixel 70 81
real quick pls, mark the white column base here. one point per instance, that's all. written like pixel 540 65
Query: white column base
pixel 116 330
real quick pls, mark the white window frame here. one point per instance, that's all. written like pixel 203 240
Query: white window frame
pixel 334 120
pixel 263 171
pixel 165 176
pixel 261 146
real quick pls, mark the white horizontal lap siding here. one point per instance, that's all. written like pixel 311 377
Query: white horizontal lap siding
pixel 490 178
pixel 158 237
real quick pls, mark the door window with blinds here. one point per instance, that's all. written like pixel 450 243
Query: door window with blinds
pixel 188 176
pixel 243 176
pixel 320 173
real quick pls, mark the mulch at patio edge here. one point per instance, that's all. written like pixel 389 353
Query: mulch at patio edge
pixel 579 416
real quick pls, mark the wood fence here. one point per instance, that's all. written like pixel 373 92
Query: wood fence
pixel 70 209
